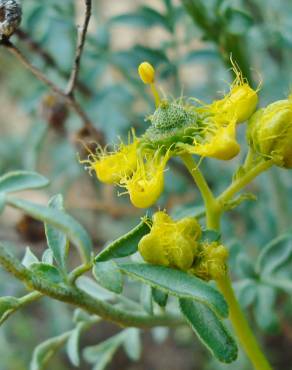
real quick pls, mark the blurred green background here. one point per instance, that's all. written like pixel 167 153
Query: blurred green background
pixel 190 44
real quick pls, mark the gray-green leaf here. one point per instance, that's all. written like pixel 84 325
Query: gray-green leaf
pixel 108 276
pixel 47 272
pixel 210 330
pixel 56 239
pixel 146 298
pixel 274 254
pixel 21 180
pixel 264 309
pixel 29 258
pixel 132 344
pixel 44 351
pixel 7 306
pixel 177 283
pixel 246 291
pixel 126 244
pixel 101 354
pixel 72 346
pixel 64 222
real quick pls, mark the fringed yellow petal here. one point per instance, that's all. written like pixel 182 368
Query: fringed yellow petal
pixel 147 182
pixel 111 168
pixel 221 145
pixel 239 104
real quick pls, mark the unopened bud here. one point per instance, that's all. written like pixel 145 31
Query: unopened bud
pixel 146 72
pixel 269 133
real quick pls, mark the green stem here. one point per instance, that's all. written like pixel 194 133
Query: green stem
pixel 211 204
pixel 241 326
pixel 30 297
pixel 214 211
pixel 21 302
pixel 79 298
pixel 243 181
pixel 80 270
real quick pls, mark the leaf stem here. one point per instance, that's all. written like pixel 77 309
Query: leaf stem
pixel 79 298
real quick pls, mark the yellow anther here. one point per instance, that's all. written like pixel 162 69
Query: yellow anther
pixel 147 75
pixel 146 72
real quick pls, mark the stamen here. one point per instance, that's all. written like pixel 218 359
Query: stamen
pixel 155 95
pixel 147 75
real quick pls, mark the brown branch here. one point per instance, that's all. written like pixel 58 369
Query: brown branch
pixel 49 60
pixel 70 100
pixel 79 49
pixel 68 93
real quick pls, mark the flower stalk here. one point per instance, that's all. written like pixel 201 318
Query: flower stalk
pixel 214 211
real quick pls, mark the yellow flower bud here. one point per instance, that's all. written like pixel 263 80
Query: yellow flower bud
pixel 171 243
pixel 211 262
pixel 269 132
pixel 146 72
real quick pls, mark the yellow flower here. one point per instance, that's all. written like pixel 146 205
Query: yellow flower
pixel 171 243
pixel 146 184
pixel 239 104
pixel 177 127
pixel 111 167
pixel 221 144
pixel 269 132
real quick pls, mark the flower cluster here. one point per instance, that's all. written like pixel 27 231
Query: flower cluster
pixel 177 244
pixel 176 127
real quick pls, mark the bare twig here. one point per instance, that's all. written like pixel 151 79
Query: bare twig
pixel 79 49
pixel 40 76
pixel 49 60
pixel 68 94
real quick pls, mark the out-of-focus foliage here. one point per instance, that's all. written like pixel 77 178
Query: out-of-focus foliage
pixel 191 54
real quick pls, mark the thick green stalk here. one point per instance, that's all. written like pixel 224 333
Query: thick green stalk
pixel 214 210
pixel 241 326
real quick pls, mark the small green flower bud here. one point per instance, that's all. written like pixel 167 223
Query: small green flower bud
pixel 269 132
pixel 10 17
